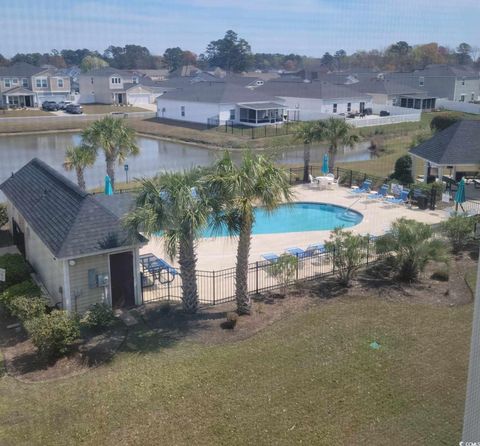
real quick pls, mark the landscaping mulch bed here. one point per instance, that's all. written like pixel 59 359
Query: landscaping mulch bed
pixel 22 361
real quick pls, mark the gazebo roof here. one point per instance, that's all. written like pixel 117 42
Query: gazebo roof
pixel 458 144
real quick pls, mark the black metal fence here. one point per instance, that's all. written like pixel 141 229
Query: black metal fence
pixel 266 131
pixel 217 287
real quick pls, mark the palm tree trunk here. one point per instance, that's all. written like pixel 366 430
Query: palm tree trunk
pixel 80 178
pixel 111 171
pixel 241 274
pixel 306 162
pixel 332 152
pixel 188 270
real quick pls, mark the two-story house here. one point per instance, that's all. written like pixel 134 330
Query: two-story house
pixel 112 86
pixel 24 85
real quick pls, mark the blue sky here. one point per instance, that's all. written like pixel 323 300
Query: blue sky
pixel 308 27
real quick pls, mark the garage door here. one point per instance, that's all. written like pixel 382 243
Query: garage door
pixel 135 99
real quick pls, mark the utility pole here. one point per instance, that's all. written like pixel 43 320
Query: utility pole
pixel 471 420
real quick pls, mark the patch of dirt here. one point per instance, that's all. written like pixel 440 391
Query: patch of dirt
pixel 23 362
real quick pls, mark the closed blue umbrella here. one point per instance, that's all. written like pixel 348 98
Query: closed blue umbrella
pixel 108 186
pixel 460 195
pixel 325 164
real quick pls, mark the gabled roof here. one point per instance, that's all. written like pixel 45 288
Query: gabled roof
pixel 107 72
pixel 457 144
pixel 385 86
pixel 21 69
pixel 69 221
pixel 18 91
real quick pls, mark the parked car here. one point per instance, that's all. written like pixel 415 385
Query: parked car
pixel 74 109
pixel 49 106
pixel 63 105
pixel 384 113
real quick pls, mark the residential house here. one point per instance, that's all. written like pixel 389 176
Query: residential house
pixel 455 83
pixel 24 85
pixel 217 101
pixel 111 86
pixel 75 241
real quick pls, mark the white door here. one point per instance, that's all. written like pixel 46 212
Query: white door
pixel 137 99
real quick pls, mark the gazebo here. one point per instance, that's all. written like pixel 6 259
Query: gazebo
pixel 453 152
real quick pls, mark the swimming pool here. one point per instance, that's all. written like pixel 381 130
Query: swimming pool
pixel 300 217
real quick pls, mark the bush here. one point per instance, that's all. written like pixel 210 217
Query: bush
pixel 231 321
pixel 100 315
pixel 3 215
pixel 459 230
pixel 443 121
pixel 16 268
pixel 348 251
pixel 403 170
pixel 53 334
pixel 26 288
pixel 26 308
pixel 284 270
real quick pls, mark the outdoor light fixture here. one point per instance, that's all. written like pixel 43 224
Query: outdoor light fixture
pixel 72 262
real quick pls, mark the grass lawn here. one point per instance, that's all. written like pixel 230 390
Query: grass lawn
pixel 99 109
pixel 310 378
pixel 23 113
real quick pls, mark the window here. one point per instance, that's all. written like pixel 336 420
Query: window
pixel 7 83
pixel 15 81
pixel 60 83
pixel 472 97
pixel 462 98
pixel 232 114
pixel 91 80
pixel 334 108
pixel 116 80
pixel 349 107
pixel 463 81
pixel 421 81
pixel 41 82
pixel 135 80
pixel 182 110
pixel 25 82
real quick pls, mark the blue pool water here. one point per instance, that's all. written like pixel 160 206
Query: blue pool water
pixel 300 217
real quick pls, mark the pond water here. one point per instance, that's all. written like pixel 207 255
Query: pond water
pixel 155 156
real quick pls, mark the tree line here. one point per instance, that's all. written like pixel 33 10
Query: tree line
pixel 233 53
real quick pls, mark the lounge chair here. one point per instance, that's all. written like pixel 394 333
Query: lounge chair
pixel 270 257
pixel 402 199
pixel 158 268
pixel 380 195
pixel 297 252
pixel 316 248
pixel 364 188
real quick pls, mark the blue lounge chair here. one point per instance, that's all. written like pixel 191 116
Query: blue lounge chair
pixel 364 188
pixel 270 257
pixel 297 252
pixel 316 248
pixel 158 268
pixel 402 199
pixel 380 195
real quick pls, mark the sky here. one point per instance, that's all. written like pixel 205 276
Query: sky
pixel 307 27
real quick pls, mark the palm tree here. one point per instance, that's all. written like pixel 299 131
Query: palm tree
pixel 174 205
pixel 114 138
pixel 234 191
pixel 307 132
pixel 412 245
pixel 79 158
pixel 336 132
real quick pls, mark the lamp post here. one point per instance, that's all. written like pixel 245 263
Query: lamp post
pixel 125 168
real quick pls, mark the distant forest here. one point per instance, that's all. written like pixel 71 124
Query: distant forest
pixel 233 53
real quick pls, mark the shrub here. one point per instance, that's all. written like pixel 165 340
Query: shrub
pixel 26 308
pixel 53 334
pixel 231 321
pixel 26 288
pixel 284 270
pixel 16 268
pixel 3 215
pixel 100 315
pixel 412 245
pixel 459 230
pixel 348 251
pixel 441 275
pixel 403 170
pixel 442 121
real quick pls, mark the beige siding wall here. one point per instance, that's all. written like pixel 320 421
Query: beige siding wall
pixel 81 294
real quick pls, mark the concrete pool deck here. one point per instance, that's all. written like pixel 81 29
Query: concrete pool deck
pixel 219 253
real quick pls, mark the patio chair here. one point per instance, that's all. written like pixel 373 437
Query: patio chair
pixel 313 181
pixel 270 257
pixel 158 268
pixel 380 195
pixel 402 199
pixel 364 188
pixel 297 252
pixel 316 248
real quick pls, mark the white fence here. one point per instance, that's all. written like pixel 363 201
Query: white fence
pixel 465 107
pixel 397 115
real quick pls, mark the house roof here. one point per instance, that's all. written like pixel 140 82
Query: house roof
pixel 69 221
pixel 18 91
pixel 218 92
pixel 315 89
pixel 21 69
pixel 262 105
pixel 107 72
pixel 385 86
pixel 457 144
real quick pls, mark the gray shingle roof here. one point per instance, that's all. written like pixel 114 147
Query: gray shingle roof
pixel 69 221
pixel 457 144
pixel 385 86
pixel 21 69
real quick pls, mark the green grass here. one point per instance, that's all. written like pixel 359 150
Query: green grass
pixel 23 113
pixel 308 379
pixel 101 109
